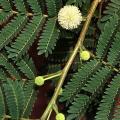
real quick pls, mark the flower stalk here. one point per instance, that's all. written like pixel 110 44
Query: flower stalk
pixel 40 80
pixel 71 59
pixel 53 75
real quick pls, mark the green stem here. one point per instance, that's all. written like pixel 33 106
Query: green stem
pixel 49 114
pixel 53 75
pixel 71 59
pixel 55 108
pixel 9 117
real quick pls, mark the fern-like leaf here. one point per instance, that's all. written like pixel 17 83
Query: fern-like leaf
pixel 11 99
pixel 48 38
pixel 26 38
pixel 51 8
pixel 30 97
pixel 112 8
pixel 3 77
pixel 9 67
pixel 20 96
pixel 76 2
pixel 59 4
pixel 5 5
pixel 35 6
pixel 20 5
pixel 105 37
pixel 78 107
pixel 4 16
pixel 97 80
pixel 79 80
pixel 2 105
pixel 114 52
pixel 108 100
pixel 27 67
pixel 11 30
pixel 116 115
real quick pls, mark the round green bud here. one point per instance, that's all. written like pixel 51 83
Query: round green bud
pixel 39 80
pixel 85 55
pixel 60 116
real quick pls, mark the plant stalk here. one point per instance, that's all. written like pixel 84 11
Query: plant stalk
pixel 9 117
pixel 71 59
pixel 53 75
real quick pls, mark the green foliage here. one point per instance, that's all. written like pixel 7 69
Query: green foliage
pixel 117 113
pixel 114 52
pixel 2 105
pixel 22 30
pixel 78 107
pixel 11 30
pixel 25 39
pixel 5 5
pixel 27 24
pixel 93 82
pixel 48 38
pixel 78 80
pixel 30 96
pixel 19 4
pixel 9 67
pixel 97 80
pixel 13 96
pixel 106 36
pixel 19 31
pixel 19 98
pixel 4 16
pixel 27 67
pixel 34 6
pixel 59 4
pixel 107 103
pixel 51 8
pixel 2 76
pixel 76 2
pixel 112 8
pixel 19 95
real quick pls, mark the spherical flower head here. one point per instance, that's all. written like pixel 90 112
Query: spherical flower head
pixel 60 116
pixel 85 55
pixel 69 17
pixel 39 80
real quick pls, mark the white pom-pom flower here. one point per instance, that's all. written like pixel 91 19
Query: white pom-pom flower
pixel 69 17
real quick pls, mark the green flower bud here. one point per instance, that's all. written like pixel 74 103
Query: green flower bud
pixel 39 80
pixel 60 116
pixel 85 55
